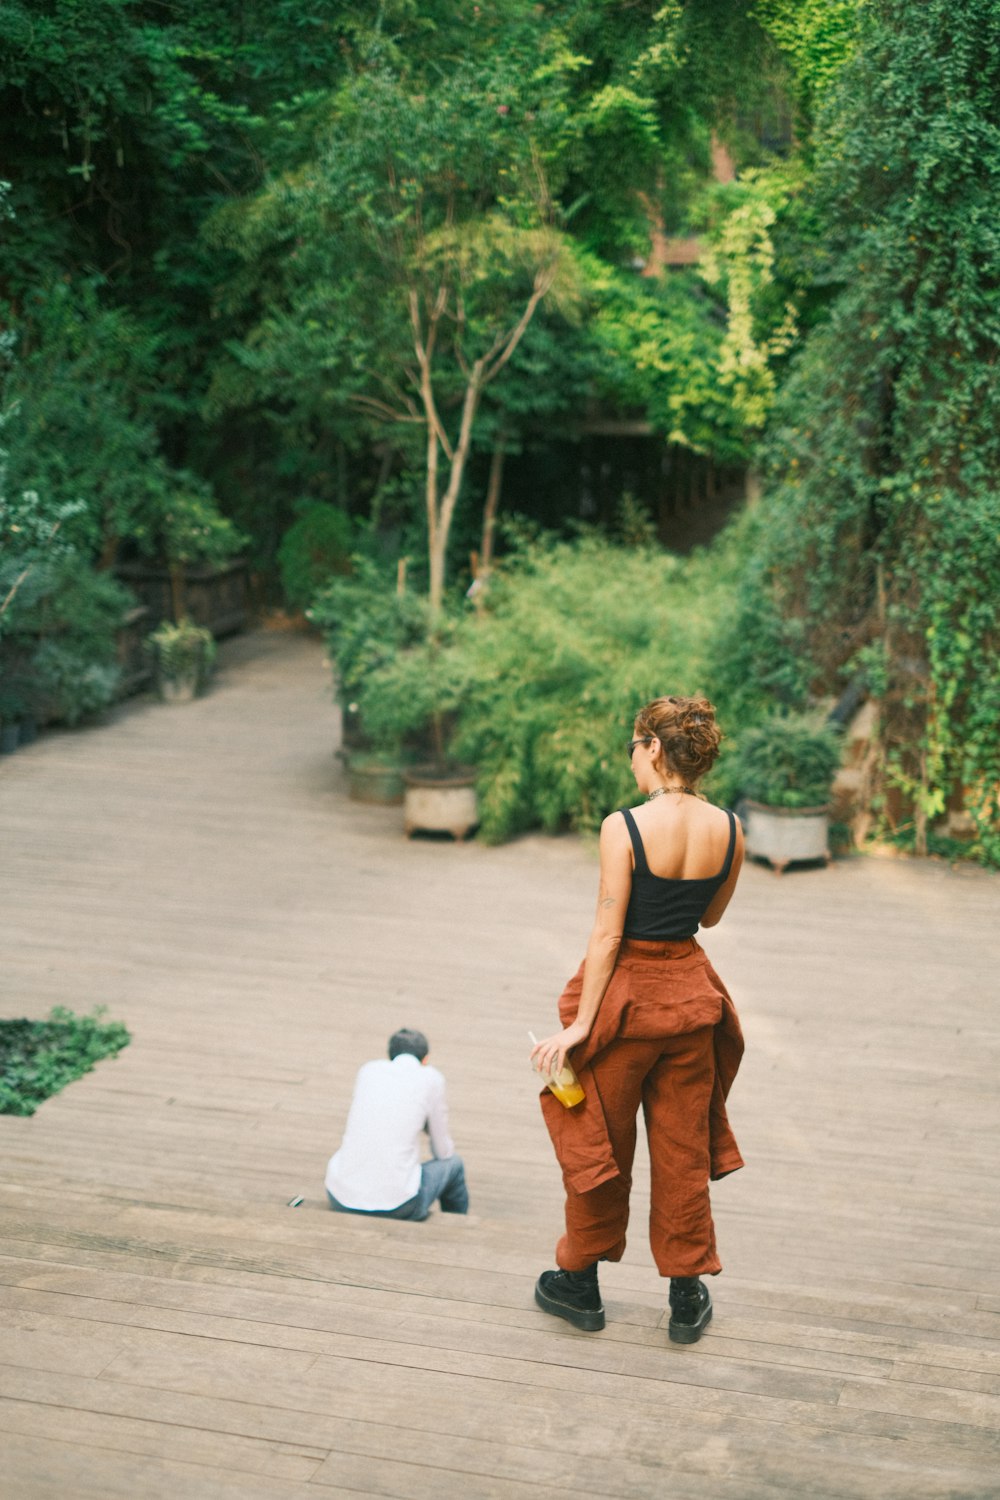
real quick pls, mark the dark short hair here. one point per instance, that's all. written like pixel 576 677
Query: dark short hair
pixel 408 1040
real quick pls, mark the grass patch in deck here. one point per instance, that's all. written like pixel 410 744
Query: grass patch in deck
pixel 38 1058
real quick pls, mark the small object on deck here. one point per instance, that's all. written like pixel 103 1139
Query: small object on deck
pixel 294 1202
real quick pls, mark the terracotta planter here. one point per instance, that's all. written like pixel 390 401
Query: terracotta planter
pixel 441 799
pixel 786 835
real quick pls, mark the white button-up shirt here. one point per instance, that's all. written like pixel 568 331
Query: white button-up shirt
pixel 378 1164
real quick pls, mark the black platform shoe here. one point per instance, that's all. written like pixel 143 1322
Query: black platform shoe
pixel 690 1309
pixel 573 1295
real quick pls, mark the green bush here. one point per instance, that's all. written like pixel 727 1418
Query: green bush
pixel 788 761
pixel 70 684
pixel 576 637
pixel 366 622
pixel 316 547
pixel 415 697
pixel 58 646
pixel 190 531
pixel 38 1058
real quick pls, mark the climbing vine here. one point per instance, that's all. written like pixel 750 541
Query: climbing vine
pixel 878 544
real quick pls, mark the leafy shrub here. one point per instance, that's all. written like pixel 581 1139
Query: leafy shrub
pixel 190 530
pixel 366 621
pixel 32 534
pixel 315 547
pixel 85 387
pixel 577 636
pixel 787 762
pixel 59 629
pixel 38 1058
pixel 415 697
pixel 71 685
pixel 88 394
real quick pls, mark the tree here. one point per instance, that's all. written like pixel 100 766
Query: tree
pixel 405 262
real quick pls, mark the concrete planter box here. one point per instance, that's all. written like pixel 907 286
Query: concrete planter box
pixel 786 835
pixel 440 799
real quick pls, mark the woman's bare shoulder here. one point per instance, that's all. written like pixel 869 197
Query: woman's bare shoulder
pixel 717 821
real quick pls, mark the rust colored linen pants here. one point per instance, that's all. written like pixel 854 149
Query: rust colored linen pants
pixel 666 1040
pixel 671 1079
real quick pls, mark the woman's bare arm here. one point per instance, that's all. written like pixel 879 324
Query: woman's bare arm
pixel 602 949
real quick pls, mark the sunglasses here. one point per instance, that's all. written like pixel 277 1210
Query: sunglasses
pixel 643 739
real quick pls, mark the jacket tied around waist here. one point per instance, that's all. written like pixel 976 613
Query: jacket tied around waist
pixel 657 989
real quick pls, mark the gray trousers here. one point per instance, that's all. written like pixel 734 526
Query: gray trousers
pixel 444 1179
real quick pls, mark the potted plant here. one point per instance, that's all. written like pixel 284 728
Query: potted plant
pixel 376 775
pixel 183 656
pixel 417 694
pixel 366 621
pixel 784 769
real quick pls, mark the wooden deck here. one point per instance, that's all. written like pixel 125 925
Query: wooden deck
pixel 170 1328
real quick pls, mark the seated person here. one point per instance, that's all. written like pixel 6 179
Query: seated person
pixel 378 1170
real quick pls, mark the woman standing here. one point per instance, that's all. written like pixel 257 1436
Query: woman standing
pixel 650 1024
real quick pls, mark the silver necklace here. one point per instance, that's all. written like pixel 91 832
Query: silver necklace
pixel 661 791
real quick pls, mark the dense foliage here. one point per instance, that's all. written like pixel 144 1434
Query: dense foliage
pixel 367 622
pixel 317 546
pixel 788 761
pixel 206 206
pixel 58 617
pixel 313 281
pixel 38 1058
pixel 876 553
pixel 540 688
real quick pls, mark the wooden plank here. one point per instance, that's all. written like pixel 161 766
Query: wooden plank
pixel 261 935
pixel 153 1439
pixel 47 1468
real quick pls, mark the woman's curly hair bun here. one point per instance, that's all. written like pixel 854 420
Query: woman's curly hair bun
pixel 687 730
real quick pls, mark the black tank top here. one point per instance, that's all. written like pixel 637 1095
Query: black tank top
pixel 667 909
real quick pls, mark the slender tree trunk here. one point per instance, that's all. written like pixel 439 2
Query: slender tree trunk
pixel 440 512
pixel 493 488
pixel 438 541
pixel 433 528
